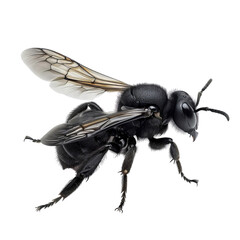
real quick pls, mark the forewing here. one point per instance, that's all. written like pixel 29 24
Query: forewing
pixel 67 133
pixel 68 76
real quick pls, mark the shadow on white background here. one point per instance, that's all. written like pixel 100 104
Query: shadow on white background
pixel 179 45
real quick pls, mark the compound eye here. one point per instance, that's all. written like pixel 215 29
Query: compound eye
pixel 189 113
pixel 187 110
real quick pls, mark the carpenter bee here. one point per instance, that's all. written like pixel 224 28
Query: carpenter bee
pixel 143 111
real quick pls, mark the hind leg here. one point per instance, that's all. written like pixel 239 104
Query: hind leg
pixel 83 107
pixel 85 170
pixel 32 139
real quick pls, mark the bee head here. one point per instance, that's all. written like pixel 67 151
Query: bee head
pixel 184 114
pixel 185 111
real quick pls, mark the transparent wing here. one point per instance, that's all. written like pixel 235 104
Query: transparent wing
pixel 68 76
pixel 68 133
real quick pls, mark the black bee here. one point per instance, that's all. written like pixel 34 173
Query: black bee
pixel 143 111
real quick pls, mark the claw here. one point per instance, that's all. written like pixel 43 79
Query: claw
pixel 195 181
pixel 189 180
pixel 119 209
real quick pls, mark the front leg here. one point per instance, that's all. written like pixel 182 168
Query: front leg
pixel 160 143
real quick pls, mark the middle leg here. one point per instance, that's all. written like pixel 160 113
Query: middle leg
pixel 126 167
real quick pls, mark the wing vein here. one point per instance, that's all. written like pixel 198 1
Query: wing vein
pixel 68 76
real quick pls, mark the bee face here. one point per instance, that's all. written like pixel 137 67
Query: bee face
pixel 184 115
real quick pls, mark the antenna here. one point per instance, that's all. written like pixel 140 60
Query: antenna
pixel 203 89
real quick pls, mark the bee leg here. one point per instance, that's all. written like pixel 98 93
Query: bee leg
pixel 79 109
pixel 126 166
pixel 175 157
pixel 32 139
pixel 161 143
pixel 82 108
pixel 85 170
pixel 67 190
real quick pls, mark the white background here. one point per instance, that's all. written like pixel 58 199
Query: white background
pixel 178 44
